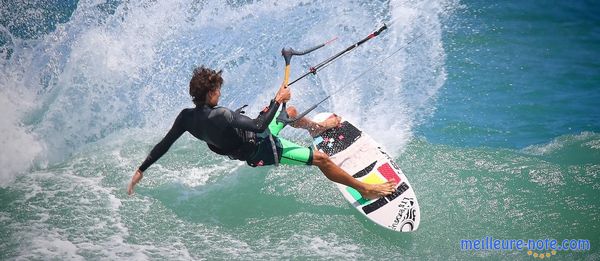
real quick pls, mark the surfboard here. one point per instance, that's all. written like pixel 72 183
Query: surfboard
pixel 363 158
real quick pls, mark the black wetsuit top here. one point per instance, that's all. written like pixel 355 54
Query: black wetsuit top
pixel 225 131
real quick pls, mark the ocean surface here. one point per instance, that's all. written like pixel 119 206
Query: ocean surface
pixel 492 109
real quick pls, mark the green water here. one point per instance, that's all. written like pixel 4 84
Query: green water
pixel 191 208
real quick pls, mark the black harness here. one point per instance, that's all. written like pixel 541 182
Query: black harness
pixel 257 149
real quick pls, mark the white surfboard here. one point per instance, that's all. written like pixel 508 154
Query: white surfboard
pixel 362 157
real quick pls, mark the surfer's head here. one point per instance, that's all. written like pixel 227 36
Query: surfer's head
pixel 205 86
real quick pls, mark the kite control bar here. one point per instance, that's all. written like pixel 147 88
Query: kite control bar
pixel 287 55
pixel 289 52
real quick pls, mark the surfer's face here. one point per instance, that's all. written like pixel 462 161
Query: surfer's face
pixel 213 97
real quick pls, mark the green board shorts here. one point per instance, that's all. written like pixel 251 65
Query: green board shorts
pixel 289 152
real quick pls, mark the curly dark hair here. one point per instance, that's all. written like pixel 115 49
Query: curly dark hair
pixel 203 81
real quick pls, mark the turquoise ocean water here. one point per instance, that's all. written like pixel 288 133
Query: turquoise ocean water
pixel 491 109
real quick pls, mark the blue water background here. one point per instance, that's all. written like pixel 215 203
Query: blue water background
pixel 519 73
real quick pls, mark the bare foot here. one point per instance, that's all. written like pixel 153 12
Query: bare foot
pixel 373 191
pixel 329 123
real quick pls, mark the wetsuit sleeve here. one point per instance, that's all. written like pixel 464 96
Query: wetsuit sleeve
pixel 163 146
pixel 243 122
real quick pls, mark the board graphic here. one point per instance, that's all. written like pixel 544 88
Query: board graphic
pixel 362 157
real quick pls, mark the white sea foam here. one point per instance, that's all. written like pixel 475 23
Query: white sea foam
pixel 317 247
pixel 51 246
pixel 20 146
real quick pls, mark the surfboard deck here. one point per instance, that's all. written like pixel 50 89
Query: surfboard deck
pixel 363 158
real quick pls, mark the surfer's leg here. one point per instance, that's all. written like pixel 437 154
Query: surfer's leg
pixel 338 175
pixel 294 154
pixel 314 128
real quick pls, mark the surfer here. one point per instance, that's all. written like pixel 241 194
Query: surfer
pixel 255 141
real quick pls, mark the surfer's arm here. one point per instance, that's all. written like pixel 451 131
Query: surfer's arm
pixel 163 146
pixel 159 149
